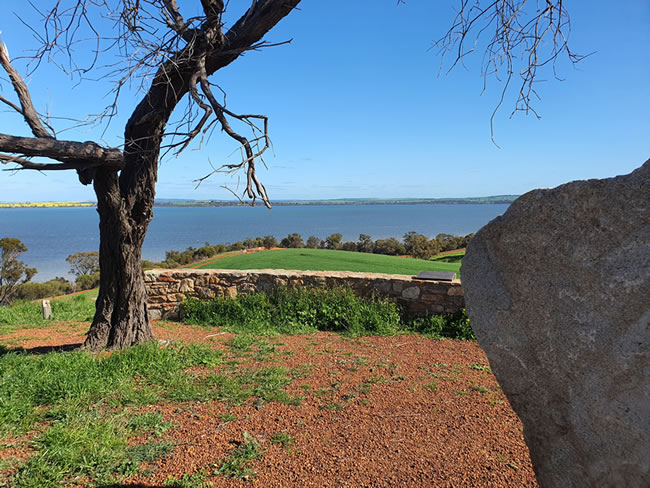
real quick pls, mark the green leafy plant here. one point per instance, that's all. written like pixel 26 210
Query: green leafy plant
pixel 149 422
pixel 228 417
pixel 454 326
pixel 282 438
pixel 479 367
pixel 196 480
pixel 237 464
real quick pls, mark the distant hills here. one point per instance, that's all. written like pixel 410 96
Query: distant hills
pixel 178 202
pixel 503 199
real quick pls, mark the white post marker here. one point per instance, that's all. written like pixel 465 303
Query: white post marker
pixel 47 310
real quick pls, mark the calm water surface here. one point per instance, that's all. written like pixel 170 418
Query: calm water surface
pixel 51 234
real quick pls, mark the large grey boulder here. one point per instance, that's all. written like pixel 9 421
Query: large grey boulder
pixel 558 294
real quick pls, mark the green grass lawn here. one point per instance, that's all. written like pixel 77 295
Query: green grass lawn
pixel 327 260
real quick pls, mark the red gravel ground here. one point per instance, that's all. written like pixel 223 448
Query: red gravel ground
pixel 401 411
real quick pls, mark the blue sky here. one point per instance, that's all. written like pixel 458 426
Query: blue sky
pixel 357 109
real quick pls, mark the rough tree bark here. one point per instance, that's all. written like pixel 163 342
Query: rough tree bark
pixel 125 183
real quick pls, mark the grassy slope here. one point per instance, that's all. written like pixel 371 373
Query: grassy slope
pixel 450 257
pixel 26 314
pixel 326 260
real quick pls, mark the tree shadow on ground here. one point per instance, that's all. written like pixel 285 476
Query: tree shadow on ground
pixel 138 485
pixel 40 349
pixel 448 259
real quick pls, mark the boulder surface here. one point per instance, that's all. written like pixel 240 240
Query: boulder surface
pixel 558 294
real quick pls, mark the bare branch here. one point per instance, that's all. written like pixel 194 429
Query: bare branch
pixel 213 10
pixel 176 22
pixel 65 151
pixel 12 105
pixel 177 19
pixel 207 111
pixel 28 112
pixel 250 155
pixel 226 187
pixel 159 48
pixel 8 158
pixel 26 164
pixel 526 36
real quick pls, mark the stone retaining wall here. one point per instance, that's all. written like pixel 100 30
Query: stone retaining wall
pixel 166 289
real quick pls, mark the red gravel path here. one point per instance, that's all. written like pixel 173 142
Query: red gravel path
pixel 400 411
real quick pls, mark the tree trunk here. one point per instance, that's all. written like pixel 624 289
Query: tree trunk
pixel 125 202
pixel 121 312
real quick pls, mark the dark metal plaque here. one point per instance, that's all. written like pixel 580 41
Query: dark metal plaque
pixel 436 276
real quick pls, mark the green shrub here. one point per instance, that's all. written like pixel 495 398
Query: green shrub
pixel 250 313
pixel 33 290
pixel 455 326
pixel 431 326
pixel 88 281
pixel 303 310
pixel 295 311
pixel 146 264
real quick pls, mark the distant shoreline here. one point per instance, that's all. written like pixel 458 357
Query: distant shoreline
pixel 48 204
pixel 498 199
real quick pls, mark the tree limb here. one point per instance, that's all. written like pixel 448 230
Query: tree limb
pixel 176 22
pixel 84 154
pixel 28 111
pixel 251 156
pixel 8 158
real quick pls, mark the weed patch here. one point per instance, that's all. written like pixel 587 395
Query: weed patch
pixel 295 311
pixel 149 423
pixel 478 367
pixel 301 310
pixel 90 403
pixel 196 480
pixel 282 438
pixel 454 326
pixel 237 464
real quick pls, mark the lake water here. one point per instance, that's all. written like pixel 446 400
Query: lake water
pixel 51 234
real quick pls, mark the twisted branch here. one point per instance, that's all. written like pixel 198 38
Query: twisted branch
pixel 248 161
pixel 28 111
pixel 522 34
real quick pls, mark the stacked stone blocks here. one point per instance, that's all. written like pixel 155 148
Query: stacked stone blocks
pixel 166 289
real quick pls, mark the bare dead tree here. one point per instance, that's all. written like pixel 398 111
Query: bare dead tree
pixel 172 58
pixel 522 38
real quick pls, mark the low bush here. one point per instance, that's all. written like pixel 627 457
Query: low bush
pixel 455 326
pixel 295 311
pixel 301 310
pixel 53 288
pixel 88 281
